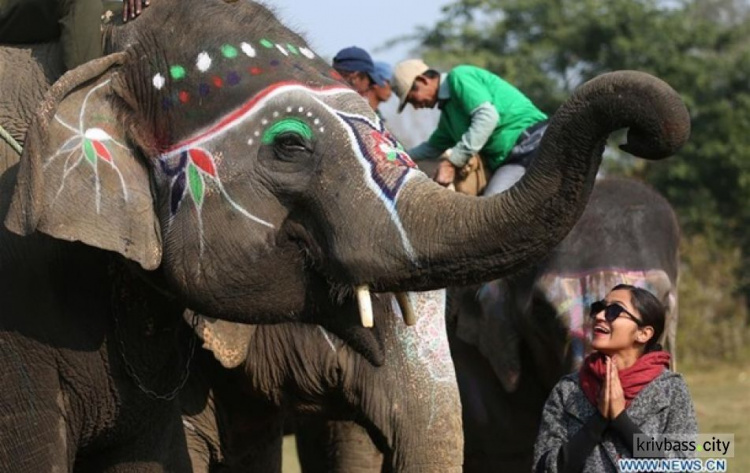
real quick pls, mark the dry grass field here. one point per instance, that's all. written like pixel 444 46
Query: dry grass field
pixel 721 395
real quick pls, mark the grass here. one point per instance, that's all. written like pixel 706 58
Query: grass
pixel 290 464
pixel 721 395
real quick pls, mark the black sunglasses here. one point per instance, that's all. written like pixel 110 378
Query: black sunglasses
pixel 611 312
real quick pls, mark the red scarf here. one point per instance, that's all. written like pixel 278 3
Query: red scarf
pixel 633 379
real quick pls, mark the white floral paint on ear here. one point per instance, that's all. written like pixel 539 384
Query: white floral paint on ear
pixel 88 145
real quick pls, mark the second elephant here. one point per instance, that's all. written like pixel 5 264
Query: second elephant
pixel 410 405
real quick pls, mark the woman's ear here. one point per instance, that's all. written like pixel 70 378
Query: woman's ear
pixel 645 334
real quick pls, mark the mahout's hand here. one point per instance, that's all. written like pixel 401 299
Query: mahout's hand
pixel 445 173
pixel 133 8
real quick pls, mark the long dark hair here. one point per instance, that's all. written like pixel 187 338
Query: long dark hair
pixel 653 313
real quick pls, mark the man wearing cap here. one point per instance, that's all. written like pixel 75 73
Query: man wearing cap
pixel 480 114
pixel 357 68
pixel 381 93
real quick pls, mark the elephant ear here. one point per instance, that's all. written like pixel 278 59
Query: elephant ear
pixel 79 178
pixel 228 341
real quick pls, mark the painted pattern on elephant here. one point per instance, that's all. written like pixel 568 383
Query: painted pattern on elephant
pixel 189 163
pixel 572 294
pixel 228 52
pixel 426 342
pixel 92 144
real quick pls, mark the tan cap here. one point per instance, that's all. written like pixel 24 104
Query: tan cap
pixel 403 77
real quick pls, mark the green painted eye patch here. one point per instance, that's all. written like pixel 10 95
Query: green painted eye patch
pixel 287 125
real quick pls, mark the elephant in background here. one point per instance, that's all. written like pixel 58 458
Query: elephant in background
pixel 25 74
pixel 410 406
pixel 512 339
pixel 224 167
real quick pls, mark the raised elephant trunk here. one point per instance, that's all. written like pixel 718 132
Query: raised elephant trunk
pixel 459 239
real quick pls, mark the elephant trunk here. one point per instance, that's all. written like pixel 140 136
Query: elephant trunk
pixel 458 239
pixel 413 407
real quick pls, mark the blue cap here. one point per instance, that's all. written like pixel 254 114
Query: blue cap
pixel 354 59
pixel 383 72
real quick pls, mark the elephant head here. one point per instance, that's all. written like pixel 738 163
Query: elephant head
pixel 410 406
pixel 214 145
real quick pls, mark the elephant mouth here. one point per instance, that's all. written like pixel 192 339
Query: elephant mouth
pixel 364 303
pixel 345 321
pixel 361 318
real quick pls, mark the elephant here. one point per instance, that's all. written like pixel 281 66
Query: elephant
pixel 234 405
pixel 512 339
pixel 40 65
pixel 224 167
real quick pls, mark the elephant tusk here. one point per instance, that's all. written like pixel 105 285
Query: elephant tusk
pixel 407 311
pixel 364 302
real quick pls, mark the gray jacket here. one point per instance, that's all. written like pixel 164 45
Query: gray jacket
pixel 663 406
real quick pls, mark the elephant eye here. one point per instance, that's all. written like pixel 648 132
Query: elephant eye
pixel 289 135
pixel 291 142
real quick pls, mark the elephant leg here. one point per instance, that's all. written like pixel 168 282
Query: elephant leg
pixel 499 427
pixel 158 447
pixel 34 434
pixel 199 447
pixel 336 446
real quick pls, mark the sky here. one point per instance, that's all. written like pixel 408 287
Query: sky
pixel 331 25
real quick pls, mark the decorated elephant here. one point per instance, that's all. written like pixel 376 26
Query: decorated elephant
pixel 234 416
pixel 514 338
pixel 222 166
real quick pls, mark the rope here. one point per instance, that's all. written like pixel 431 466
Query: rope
pixel 12 142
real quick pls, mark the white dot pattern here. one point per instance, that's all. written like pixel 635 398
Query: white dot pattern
pixel 159 81
pixel 204 62
pixel 248 49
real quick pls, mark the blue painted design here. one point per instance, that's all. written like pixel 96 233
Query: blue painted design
pixel 178 192
pixel 204 89
pixel 173 171
pixel 233 78
pixel 388 161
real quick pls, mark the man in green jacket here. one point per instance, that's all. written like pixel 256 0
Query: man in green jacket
pixel 480 114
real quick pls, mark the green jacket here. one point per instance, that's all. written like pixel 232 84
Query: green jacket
pixel 468 88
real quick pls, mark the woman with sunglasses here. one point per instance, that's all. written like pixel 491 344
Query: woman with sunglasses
pixel 623 388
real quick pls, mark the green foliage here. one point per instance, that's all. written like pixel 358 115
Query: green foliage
pixel 701 47
pixel 713 322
